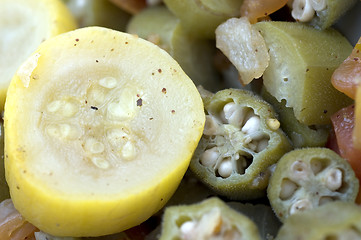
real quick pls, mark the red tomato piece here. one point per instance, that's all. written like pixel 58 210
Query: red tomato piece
pixel 343 124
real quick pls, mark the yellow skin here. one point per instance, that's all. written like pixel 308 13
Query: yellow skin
pixel 24 24
pixel 54 180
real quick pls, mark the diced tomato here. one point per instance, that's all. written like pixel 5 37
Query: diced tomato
pixel 258 9
pixel 347 76
pixel 343 124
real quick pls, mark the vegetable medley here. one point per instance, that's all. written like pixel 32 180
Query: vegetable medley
pixel 168 119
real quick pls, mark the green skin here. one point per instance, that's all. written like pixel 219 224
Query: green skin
pixel 312 186
pixel 327 17
pixel 300 134
pixel 201 17
pixel 175 216
pixel 302 60
pixel 241 186
pixel 194 55
pixel 329 221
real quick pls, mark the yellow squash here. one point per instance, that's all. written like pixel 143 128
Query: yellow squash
pixel 100 127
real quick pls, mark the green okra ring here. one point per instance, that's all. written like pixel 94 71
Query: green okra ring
pixel 308 178
pixel 242 139
pixel 209 219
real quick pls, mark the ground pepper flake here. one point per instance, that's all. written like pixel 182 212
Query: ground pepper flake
pixel 139 102
pixel 173 111
pixel 94 108
pixel 164 90
pixel 160 70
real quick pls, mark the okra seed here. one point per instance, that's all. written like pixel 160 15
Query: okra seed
pixel 234 114
pixel 299 170
pixel 273 124
pixel 209 157
pixel 225 168
pixel 318 5
pixel 300 206
pixel 252 125
pixel 334 179
pixel 108 82
pixel 187 229
pixel 302 10
pixel 288 188
pixel 100 162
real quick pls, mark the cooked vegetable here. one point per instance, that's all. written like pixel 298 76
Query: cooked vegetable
pixel 307 178
pixel 302 60
pixel 241 140
pixel 24 24
pixel 111 124
pixel 320 13
pixel 210 219
pixel 244 46
pixel 13 226
pixel 300 134
pixel 100 13
pixel 335 220
pixel 201 17
pixel 195 56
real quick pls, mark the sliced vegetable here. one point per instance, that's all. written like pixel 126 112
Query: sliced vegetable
pixel 302 60
pixel 201 17
pixel 244 46
pixel 307 178
pixel 241 140
pixel 24 24
pixel 335 220
pixel 160 26
pixel 210 219
pixel 300 134
pixel 111 124
pixel 320 13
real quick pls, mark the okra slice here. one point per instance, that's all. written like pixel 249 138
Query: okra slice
pixel 300 134
pixel 210 219
pixel 241 140
pixel 160 26
pixel 302 60
pixel 320 13
pixel 201 17
pixel 308 178
pixel 335 221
